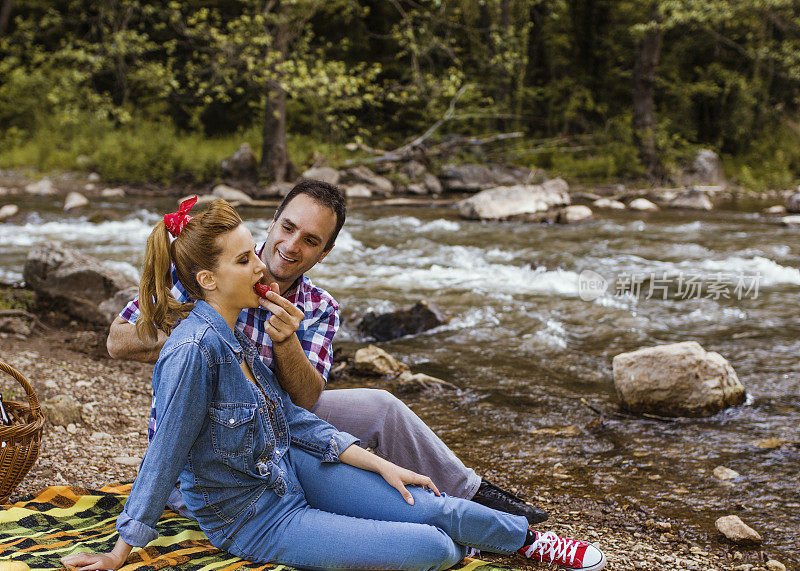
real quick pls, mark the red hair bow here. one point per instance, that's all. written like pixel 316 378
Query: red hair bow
pixel 177 220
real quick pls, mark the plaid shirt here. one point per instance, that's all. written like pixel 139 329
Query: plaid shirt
pixel 316 330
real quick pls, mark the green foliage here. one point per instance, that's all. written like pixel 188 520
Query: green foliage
pixel 16 298
pixel 155 91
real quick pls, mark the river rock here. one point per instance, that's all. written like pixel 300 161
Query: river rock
pixel 8 210
pixel 642 205
pixel 93 177
pixel 679 379
pixel 62 410
pixel 776 210
pixel 724 474
pixel 432 183
pixel 706 169
pixel 407 382
pixel 732 527
pixel 372 360
pixel 416 188
pixel 202 199
pixel 507 201
pixel 362 175
pixel 75 200
pixel 413 170
pixel 793 220
pixel 691 200
pixel 115 192
pixel 421 317
pixel 43 187
pixel 574 213
pixel 75 282
pixel 231 194
pixel 325 174
pixel 128 460
pixel 274 189
pixel 775 565
pixel 609 204
pixel 16 325
pixel 356 191
pixel 476 177
pixel 793 202
pixel 242 164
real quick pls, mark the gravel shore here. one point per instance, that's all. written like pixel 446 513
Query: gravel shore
pixel 111 439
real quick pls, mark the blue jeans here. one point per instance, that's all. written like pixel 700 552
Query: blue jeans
pixel 335 516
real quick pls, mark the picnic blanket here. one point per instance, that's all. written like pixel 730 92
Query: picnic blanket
pixel 62 520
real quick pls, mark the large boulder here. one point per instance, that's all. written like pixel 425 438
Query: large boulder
pixel 421 317
pixel 241 165
pixel 507 201
pixel 680 379
pixel 325 174
pixel 79 284
pixel 476 177
pixel 362 175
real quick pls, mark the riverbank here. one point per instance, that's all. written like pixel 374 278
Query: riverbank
pixel 108 442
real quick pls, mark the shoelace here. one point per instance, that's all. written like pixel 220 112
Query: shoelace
pixel 556 548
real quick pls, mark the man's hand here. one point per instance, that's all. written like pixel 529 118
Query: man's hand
pixel 286 316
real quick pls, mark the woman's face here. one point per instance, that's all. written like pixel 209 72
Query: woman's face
pixel 231 283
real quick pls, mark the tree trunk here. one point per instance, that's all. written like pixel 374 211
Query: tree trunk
pixel 5 15
pixel 644 78
pixel 275 164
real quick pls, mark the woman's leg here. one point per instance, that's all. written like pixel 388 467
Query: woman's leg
pixel 343 489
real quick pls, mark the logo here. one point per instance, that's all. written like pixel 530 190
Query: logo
pixel 591 285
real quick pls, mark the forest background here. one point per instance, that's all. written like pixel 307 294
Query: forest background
pixel 594 90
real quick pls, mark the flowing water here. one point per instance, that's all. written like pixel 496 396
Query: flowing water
pixel 533 334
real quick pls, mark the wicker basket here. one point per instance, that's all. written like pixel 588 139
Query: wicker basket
pixel 19 441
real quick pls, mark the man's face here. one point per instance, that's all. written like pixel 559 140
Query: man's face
pixel 297 239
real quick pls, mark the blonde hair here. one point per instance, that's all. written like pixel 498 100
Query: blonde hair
pixel 196 248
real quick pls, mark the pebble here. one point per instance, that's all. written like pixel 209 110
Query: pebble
pixel 100 435
pixel 775 565
pixel 128 460
pixel 8 210
pixel 723 473
pixel 72 429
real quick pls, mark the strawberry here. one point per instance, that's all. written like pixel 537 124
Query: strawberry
pixel 261 290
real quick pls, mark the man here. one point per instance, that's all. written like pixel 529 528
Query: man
pixel 293 331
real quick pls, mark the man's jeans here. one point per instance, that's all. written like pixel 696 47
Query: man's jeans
pixel 335 516
pixel 386 425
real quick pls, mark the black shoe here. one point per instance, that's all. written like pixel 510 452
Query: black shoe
pixel 499 499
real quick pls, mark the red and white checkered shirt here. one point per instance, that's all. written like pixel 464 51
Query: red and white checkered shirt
pixel 316 330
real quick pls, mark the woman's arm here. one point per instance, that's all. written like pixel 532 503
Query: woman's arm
pixel 396 476
pixel 90 561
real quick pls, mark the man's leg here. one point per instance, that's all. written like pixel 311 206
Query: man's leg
pixel 385 424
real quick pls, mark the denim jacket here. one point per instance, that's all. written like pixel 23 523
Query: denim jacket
pixel 218 434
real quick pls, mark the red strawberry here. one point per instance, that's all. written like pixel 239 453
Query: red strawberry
pixel 261 290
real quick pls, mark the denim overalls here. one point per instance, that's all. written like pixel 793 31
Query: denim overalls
pixel 262 475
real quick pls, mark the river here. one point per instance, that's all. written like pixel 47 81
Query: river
pixel 527 342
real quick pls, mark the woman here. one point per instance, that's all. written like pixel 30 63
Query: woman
pixel 267 480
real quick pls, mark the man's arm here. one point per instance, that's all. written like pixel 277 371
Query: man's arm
pixel 123 343
pixel 296 374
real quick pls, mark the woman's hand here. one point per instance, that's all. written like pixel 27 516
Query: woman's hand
pixel 91 561
pixel 87 561
pixel 399 478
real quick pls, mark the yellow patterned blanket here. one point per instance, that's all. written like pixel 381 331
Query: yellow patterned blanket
pixel 62 520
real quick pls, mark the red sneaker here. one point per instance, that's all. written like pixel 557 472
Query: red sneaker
pixel 570 553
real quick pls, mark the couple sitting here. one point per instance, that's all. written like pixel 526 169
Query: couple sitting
pixel 235 378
